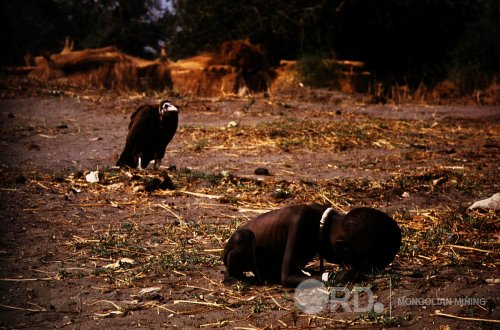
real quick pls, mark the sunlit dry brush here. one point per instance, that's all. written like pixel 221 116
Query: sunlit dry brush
pixel 335 135
pixel 103 68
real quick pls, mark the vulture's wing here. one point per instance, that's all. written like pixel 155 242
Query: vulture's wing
pixel 143 122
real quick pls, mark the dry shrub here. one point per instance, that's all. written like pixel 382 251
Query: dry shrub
pixel 346 76
pixel 445 90
pixel 491 95
pixel 238 68
pixel 241 54
pixel 286 76
pixel 204 83
pixel 104 68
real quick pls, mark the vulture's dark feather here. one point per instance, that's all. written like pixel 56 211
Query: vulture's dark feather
pixel 151 129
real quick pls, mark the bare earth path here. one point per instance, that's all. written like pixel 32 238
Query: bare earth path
pixel 76 255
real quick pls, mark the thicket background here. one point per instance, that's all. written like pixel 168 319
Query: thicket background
pixel 402 41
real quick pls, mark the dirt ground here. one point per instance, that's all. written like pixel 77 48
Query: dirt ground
pixel 76 255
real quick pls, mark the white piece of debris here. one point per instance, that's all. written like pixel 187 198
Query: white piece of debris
pixel 92 177
pixel 152 293
pixel 492 203
pixel 120 263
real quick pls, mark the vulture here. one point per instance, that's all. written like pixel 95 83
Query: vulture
pixel 151 129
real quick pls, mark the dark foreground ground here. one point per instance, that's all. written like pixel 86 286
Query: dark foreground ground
pixel 76 255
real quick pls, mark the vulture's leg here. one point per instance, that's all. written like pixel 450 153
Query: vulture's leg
pixel 157 164
pixel 139 164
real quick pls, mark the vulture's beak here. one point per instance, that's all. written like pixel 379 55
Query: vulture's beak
pixel 166 107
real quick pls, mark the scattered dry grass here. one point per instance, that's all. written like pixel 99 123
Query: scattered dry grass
pixel 123 237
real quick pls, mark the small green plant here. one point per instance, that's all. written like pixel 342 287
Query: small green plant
pixel 241 287
pixel 258 306
pixel 169 261
pixel 213 179
pixel 386 321
pixel 182 259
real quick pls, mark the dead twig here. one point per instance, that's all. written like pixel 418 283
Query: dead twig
pixel 112 204
pixel 204 303
pixel 277 304
pixel 213 250
pixel 118 312
pixel 165 207
pixel 258 211
pixel 26 279
pixel 24 309
pixel 200 194
pixel 216 324
pixel 455 317
pixel 470 248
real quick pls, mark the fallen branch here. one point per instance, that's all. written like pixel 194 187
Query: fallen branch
pixel 23 309
pixel 215 325
pixel 470 248
pixel 283 323
pixel 200 194
pixel 204 303
pixel 165 207
pixel 277 304
pixel 336 205
pixel 108 302
pixel 178 272
pixel 213 250
pixel 167 309
pixel 259 211
pixel 26 279
pixel 112 204
pixel 439 313
pixel 110 314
